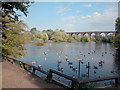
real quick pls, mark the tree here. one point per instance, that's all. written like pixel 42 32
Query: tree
pixel 33 29
pixel 70 39
pixel 58 36
pixel 61 30
pixel 9 8
pixel 117 41
pixel 13 42
pixel 85 39
pixel 12 27
pixel 77 37
pixel 117 25
pixel 117 37
pixel 49 33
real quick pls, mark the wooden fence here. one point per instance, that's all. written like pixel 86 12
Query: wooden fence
pixel 49 75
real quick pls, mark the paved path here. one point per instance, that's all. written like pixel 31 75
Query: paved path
pixel 15 77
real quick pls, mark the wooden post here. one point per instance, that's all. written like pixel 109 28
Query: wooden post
pixel 8 59
pixel 79 70
pixel 34 70
pixel 13 62
pixel 88 69
pixel 73 84
pixel 49 76
pixel 24 66
pixel 80 87
pixel 116 82
pixel 20 64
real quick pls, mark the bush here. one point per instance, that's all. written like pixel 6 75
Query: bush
pixel 38 44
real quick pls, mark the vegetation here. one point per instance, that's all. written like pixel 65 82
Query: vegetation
pixel 117 41
pixel 87 86
pixel 13 28
pixel 117 38
pixel 12 42
pixel 100 38
pixel 39 38
pixel 9 9
pixel 59 36
pixel 85 39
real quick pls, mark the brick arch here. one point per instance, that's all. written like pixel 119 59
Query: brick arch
pixel 79 34
pixel 110 33
pixel 105 33
pixel 85 33
pixel 91 33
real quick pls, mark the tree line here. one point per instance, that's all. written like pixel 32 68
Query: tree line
pixel 49 35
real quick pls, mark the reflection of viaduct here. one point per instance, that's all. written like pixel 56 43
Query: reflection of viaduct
pixel 96 33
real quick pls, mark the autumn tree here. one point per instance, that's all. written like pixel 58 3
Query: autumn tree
pixel 13 28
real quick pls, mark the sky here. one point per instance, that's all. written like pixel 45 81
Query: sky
pixel 72 16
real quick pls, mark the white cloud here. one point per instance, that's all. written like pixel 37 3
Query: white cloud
pixel 87 5
pixel 100 21
pixel 63 10
pixel 84 17
pixel 93 22
pixel 96 13
pixel 69 27
pixel 78 11
pixel 69 19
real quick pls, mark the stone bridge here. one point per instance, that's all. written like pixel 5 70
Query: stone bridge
pixel 96 33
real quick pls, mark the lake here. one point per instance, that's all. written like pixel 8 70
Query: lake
pixel 53 56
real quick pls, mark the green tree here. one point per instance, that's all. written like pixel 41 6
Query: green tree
pixel 9 8
pixel 58 36
pixel 111 38
pixel 61 30
pixel 117 37
pixel 70 39
pixel 13 41
pixel 117 25
pixel 85 39
pixel 77 37
pixel 33 29
pixel 49 33
pixel 27 36
pixel 117 41
pixel 12 28
pixel 93 38
pixel 38 37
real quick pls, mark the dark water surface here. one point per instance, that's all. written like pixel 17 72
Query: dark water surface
pixel 49 55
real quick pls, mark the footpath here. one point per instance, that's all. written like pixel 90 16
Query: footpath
pixel 15 77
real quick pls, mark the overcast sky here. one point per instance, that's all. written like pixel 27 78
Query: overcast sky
pixel 72 16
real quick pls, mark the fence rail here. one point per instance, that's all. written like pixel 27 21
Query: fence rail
pixel 50 73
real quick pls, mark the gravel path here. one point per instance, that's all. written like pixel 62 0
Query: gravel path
pixel 15 77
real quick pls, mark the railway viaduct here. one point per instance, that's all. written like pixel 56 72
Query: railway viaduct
pixel 96 33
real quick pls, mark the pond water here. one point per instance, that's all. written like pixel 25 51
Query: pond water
pixel 53 56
